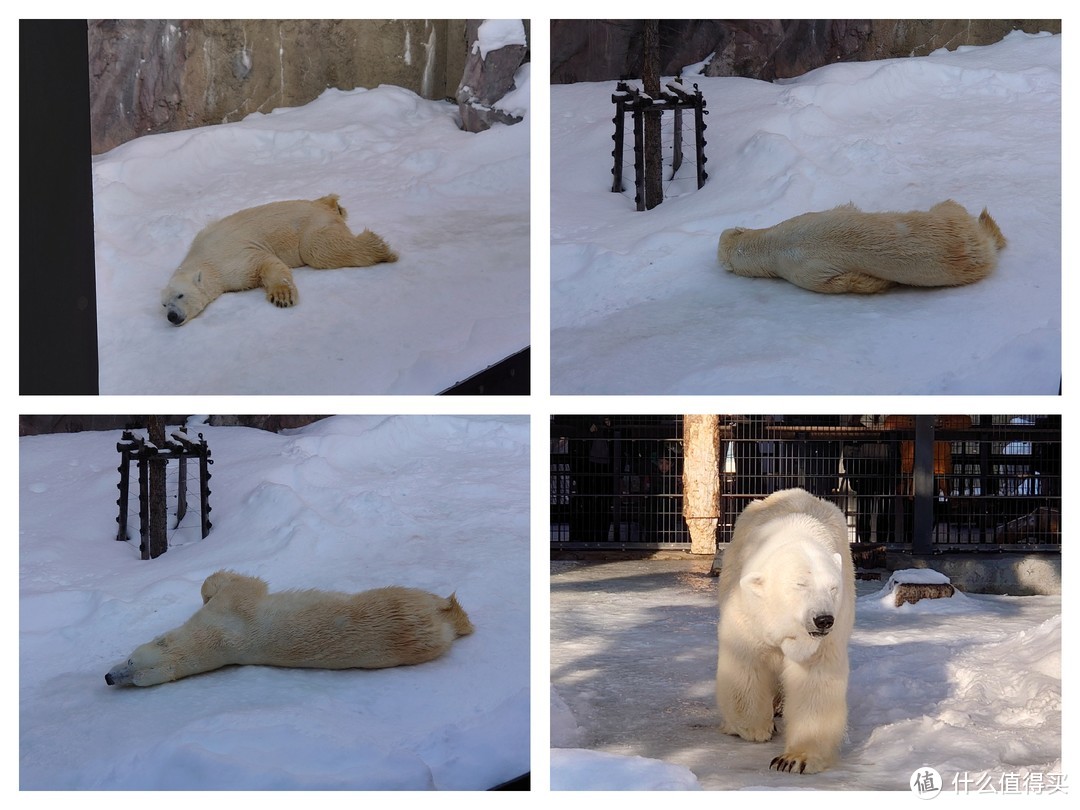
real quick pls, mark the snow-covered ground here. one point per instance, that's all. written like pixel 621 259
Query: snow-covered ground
pixel 453 204
pixel 347 503
pixel 639 304
pixel 969 685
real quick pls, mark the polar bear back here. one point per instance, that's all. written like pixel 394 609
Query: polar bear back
pixel 384 627
pixel 275 227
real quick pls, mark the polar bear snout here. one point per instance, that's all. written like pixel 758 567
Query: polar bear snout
pixel 823 624
pixel 175 315
pixel 120 675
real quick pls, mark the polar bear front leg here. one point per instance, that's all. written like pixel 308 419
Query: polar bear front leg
pixel 276 278
pixel 815 715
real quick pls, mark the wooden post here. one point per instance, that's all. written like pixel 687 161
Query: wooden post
pixel 650 80
pixel 181 489
pixel 699 138
pixel 639 158
pixel 204 485
pixel 157 541
pixel 620 129
pixel 127 441
pixel 701 480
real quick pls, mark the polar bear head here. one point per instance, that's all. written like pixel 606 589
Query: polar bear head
pixel 794 586
pixel 188 293
pixel 150 664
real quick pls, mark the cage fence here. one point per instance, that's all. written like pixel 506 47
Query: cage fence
pixel 995 480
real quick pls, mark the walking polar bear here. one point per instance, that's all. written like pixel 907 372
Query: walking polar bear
pixel 257 247
pixel 847 250
pixel 787 608
pixel 240 623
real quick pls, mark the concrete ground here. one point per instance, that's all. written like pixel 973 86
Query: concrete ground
pixel 629 697
pixel 633 658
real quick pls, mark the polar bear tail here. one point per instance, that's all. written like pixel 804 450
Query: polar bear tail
pixel 457 616
pixel 331 201
pixel 986 222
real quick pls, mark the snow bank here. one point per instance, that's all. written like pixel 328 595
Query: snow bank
pixel 580 769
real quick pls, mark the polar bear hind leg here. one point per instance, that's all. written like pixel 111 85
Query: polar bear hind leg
pixel 331 246
pixel 746 698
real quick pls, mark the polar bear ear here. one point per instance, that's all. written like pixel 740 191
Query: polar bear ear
pixel 754 582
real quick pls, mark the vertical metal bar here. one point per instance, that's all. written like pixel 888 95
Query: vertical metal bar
pixel 922 539
pixel 616 486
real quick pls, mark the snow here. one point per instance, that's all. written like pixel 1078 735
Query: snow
pixel 347 503
pixel 494 34
pixel 915 576
pixel 453 204
pixel 594 770
pixel 970 686
pixel 640 305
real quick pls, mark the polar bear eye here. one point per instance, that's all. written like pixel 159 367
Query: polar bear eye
pixel 181 295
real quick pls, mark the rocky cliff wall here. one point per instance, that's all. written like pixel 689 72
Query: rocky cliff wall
pixel 163 75
pixel 602 50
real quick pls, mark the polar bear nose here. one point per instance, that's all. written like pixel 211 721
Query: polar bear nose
pixel 108 678
pixel 175 317
pixel 823 622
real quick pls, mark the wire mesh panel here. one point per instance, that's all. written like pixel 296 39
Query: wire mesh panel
pixel 681 112
pixel 616 481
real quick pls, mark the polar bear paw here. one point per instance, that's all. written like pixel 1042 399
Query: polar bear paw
pixel 798 763
pixel 761 733
pixel 281 294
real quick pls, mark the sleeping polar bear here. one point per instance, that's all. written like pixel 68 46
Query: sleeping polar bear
pixel 847 250
pixel 257 247
pixel 787 609
pixel 240 623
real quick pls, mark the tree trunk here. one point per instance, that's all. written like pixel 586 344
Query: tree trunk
pixel 650 79
pixel 157 542
pixel 701 480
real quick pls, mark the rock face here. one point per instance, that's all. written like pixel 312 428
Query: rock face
pixel 164 75
pixel 488 76
pixel 602 50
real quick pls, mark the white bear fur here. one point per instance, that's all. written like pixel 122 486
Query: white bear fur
pixel 257 247
pixel 848 250
pixel 788 564
pixel 241 623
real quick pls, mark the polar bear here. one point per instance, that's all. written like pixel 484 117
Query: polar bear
pixel 787 608
pixel 257 247
pixel 847 250
pixel 240 623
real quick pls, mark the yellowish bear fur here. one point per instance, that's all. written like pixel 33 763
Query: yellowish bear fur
pixel 241 623
pixel 847 250
pixel 257 247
